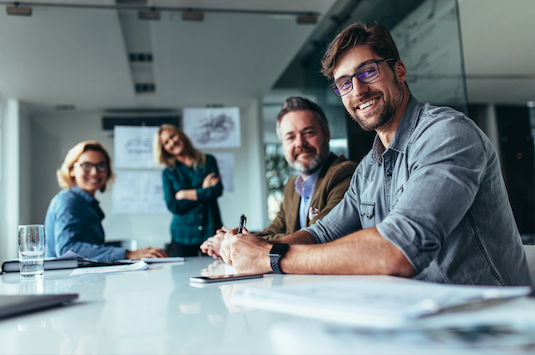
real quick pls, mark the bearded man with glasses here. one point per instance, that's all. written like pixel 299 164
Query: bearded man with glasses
pixel 427 202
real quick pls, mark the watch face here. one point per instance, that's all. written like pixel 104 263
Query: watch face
pixel 278 249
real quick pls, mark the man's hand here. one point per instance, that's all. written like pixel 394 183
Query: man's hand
pixel 145 253
pixel 212 245
pixel 246 252
pixel 210 180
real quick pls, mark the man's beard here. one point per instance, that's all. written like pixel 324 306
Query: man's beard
pixel 313 165
pixel 383 118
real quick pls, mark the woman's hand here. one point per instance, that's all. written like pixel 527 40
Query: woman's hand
pixel 145 253
pixel 212 245
pixel 186 195
pixel 210 180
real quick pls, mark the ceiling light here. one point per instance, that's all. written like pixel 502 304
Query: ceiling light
pixel 307 19
pixel 148 15
pixel 19 10
pixel 192 16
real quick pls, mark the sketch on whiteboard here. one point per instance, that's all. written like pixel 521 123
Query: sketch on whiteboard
pixel 138 192
pixel 213 127
pixel 225 164
pixel 133 147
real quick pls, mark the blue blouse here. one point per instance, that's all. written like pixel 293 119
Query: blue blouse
pixel 74 222
pixel 193 221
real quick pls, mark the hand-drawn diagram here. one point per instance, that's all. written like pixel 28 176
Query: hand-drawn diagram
pixel 213 127
pixel 138 192
pixel 225 164
pixel 133 147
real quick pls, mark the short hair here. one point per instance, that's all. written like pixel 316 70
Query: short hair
pixel 301 104
pixel 161 156
pixel 63 173
pixel 376 37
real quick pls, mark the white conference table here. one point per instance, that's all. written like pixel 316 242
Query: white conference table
pixel 155 311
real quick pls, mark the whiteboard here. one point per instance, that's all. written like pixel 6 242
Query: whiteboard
pixel 225 164
pixel 138 192
pixel 133 147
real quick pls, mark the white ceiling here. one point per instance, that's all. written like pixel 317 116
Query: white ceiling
pixel 69 56
pixel 72 56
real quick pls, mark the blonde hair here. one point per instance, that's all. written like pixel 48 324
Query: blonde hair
pixel 161 156
pixel 64 177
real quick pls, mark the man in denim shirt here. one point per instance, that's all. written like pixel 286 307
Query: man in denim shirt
pixel 428 201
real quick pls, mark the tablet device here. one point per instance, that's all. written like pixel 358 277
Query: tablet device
pixel 11 305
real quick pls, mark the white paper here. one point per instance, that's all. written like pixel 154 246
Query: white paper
pixel 225 164
pixel 133 147
pixel 157 260
pixel 138 192
pixel 330 339
pixel 140 265
pixel 370 303
pixel 213 127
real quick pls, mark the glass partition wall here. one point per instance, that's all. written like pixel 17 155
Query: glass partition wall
pixel 427 34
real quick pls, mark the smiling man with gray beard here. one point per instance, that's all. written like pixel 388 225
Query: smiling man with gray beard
pixel 323 176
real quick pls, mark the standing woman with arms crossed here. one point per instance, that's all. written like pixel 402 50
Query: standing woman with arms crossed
pixel 74 219
pixel 191 186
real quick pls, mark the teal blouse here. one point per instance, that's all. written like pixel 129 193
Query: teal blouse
pixel 193 221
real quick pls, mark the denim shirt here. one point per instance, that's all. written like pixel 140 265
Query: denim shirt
pixel 73 222
pixel 438 195
pixel 193 221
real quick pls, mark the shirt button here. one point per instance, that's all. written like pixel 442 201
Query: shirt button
pixel 200 216
pixel 200 228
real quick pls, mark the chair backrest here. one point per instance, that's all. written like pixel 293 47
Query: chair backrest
pixel 530 256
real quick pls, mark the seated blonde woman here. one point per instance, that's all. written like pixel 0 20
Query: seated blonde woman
pixel 74 219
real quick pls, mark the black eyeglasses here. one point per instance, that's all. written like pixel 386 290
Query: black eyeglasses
pixel 364 74
pixel 101 167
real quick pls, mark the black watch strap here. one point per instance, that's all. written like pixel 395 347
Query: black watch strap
pixel 276 253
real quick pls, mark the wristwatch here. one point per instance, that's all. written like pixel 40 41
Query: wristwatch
pixel 276 253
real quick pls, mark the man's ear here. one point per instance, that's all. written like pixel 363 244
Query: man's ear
pixel 400 71
pixel 328 134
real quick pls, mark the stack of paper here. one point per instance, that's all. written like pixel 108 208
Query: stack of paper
pixel 369 303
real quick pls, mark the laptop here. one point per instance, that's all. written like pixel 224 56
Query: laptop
pixel 12 305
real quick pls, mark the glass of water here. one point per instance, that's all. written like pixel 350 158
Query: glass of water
pixel 32 251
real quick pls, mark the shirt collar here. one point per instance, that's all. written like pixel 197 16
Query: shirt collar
pixel 79 192
pixel 405 128
pixel 310 181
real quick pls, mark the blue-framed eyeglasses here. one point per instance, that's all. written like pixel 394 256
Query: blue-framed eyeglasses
pixel 364 74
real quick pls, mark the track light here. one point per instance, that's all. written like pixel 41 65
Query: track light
pixel 150 14
pixel 307 19
pixel 192 16
pixel 18 10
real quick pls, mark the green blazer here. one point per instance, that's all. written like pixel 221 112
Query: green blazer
pixel 331 186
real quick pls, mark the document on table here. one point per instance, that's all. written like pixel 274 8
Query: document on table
pixel 140 265
pixel 371 303
pixel 173 259
pixel 318 338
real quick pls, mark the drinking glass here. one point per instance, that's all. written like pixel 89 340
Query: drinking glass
pixel 32 251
